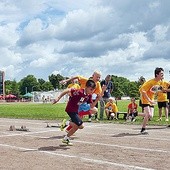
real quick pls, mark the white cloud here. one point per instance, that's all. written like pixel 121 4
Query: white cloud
pixel 8 35
pixel 125 38
pixel 160 32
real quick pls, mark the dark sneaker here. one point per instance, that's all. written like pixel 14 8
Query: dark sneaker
pixel 144 132
pixel 67 141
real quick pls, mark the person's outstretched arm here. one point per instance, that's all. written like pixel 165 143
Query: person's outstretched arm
pixel 66 91
pixel 63 82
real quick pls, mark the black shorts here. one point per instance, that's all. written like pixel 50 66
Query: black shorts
pixel 134 114
pixel 162 104
pixel 140 103
pixel 146 105
pixel 75 118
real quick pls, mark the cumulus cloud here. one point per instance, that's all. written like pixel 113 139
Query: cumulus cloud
pixel 77 37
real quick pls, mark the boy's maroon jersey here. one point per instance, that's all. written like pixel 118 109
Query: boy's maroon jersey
pixel 77 97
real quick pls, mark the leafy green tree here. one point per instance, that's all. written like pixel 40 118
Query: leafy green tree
pixel 29 84
pixel 120 86
pixel 12 87
pixel 133 89
pixel 41 82
pixel 46 86
pixel 55 80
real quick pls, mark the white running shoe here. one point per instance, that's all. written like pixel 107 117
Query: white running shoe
pixel 67 141
pixel 89 120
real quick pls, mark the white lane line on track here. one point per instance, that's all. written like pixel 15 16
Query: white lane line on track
pixel 124 147
pixel 28 133
pixel 127 135
pixel 8 134
pixel 109 145
pixel 154 129
pixel 97 161
pixel 20 121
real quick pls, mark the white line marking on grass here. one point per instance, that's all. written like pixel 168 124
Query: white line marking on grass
pixel 97 161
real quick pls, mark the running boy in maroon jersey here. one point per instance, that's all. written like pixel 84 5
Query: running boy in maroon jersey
pixel 77 97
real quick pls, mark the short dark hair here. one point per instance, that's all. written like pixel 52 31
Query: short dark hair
pixel 91 83
pixel 158 70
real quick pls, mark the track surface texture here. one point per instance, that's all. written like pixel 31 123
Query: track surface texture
pixel 105 146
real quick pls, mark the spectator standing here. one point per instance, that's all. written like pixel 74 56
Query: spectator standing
pixel 162 100
pixel 141 81
pixel 107 94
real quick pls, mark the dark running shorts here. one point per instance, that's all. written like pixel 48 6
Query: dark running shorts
pixel 146 105
pixel 75 118
pixel 162 104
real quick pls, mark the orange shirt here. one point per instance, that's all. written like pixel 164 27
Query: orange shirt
pixel 82 80
pixel 147 87
pixel 74 86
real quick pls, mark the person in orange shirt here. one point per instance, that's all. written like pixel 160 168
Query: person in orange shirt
pixel 162 100
pixel 82 81
pixel 147 91
pixel 74 84
pixel 111 109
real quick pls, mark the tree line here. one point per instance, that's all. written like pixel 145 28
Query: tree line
pixel 122 86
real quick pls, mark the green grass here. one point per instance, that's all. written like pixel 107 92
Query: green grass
pixel 48 111
pixel 33 111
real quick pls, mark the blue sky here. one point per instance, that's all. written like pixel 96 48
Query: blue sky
pixel 126 38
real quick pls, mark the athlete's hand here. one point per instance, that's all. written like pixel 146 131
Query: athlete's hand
pixel 153 102
pixel 55 101
pixel 63 82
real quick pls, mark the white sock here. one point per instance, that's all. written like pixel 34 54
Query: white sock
pixel 67 123
pixel 66 137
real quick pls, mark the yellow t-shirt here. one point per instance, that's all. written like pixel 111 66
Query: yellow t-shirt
pixel 147 87
pixel 82 80
pixel 162 97
pixel 112 107
pixel 74 85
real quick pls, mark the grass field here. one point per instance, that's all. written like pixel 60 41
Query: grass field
pixel 47 111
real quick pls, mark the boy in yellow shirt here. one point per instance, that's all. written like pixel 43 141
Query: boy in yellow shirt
pixel 147 91
pixel 111 109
